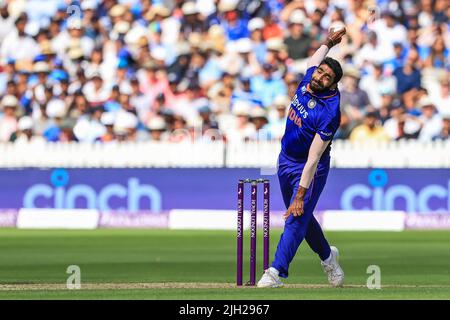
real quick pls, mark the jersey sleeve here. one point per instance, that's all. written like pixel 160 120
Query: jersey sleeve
pixel 328 126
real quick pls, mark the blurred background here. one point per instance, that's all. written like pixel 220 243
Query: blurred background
pixel 139 109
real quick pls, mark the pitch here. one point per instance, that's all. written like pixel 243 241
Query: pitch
pixel 165 264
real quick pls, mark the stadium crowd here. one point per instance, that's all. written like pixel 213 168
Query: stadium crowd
pixel 106 70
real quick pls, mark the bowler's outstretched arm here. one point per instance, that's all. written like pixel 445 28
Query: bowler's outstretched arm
pixel 333 39
pixel 316 150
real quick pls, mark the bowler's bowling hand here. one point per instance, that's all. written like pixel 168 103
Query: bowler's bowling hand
pixel 296 208
pixel 335 37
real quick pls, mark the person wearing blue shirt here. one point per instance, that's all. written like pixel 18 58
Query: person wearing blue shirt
pixel 266 86
pixel 304 162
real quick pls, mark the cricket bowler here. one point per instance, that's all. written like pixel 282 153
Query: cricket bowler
pixel 304 163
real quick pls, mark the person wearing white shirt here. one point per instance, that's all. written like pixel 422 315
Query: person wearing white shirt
pixel 277 117
pixel 96 91
pixel 401 125
pixel 440 94
pixel 17 44
pixel 374 51
pixel 6 21
pixel 431 121
pixel 389 30
pixel 377 84
pixel 73 36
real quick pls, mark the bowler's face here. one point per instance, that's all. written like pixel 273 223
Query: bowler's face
pixel 322 78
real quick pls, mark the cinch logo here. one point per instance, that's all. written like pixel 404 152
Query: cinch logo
pixel 65 198
pixel 384 199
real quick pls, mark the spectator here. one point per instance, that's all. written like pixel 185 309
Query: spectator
pixel 157 128
pixel 298 40
pixel 353 99
pixel 6 21
pixel 24 133
pixel 90 129
pixel 258 117
pixel 369 131
pixel 234 25
pixel 244 92
pixel 18 45
pixel 8 121
pixel 266 86
pixel 430 121
pixel 438 55
pixel 277 116
pixel 376 84
pixel 271 28
pixel 445 131
pixel 190 21
pixel 107 120
pixel 243 129
pixel 56 112
pixel 373 51
pixel 389 31
pixel 441 94
pixel 255 27
pixel 401 125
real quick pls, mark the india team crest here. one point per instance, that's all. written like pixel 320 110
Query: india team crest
pixel 312 103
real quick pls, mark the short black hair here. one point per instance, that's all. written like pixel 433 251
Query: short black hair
pixel 335 66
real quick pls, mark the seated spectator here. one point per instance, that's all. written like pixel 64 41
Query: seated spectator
pixel 277 116
pixel 376 84
pixel 271 27
pixel 258 116
pixel 431 122
pixel 18 45
pixel 90 129
pixel 255 27
pixel 96 91
pixel 369 131
pixel 56 112
pixel 266 86
pixel 157 128
pixel 441 94
pixel 389 30
pixel 107 120
pixel 445 131
pixel 408 77
pixel 298 40
pixel 401 125
pixel 353 98
pixel 373 51
pixel 244 92
pixel 24 133
pixel 8 122
pixel 243 129
pixel 234 25
pixel 438 55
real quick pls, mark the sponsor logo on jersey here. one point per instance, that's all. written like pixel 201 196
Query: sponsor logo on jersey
pixel 295 118
pixel 303 89
pixel 326 133
pixel 297 105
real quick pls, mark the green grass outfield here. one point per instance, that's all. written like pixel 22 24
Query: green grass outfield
pixel 164 264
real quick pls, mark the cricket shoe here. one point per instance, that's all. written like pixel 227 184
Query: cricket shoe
pixel 333 269
pixel 269 280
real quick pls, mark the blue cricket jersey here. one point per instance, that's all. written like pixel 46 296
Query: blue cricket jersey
pixel 310 114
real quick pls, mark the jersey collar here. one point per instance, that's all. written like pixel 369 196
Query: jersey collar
pixel 323 95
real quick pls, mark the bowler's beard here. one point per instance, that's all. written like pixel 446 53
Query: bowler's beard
pixel 317 87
